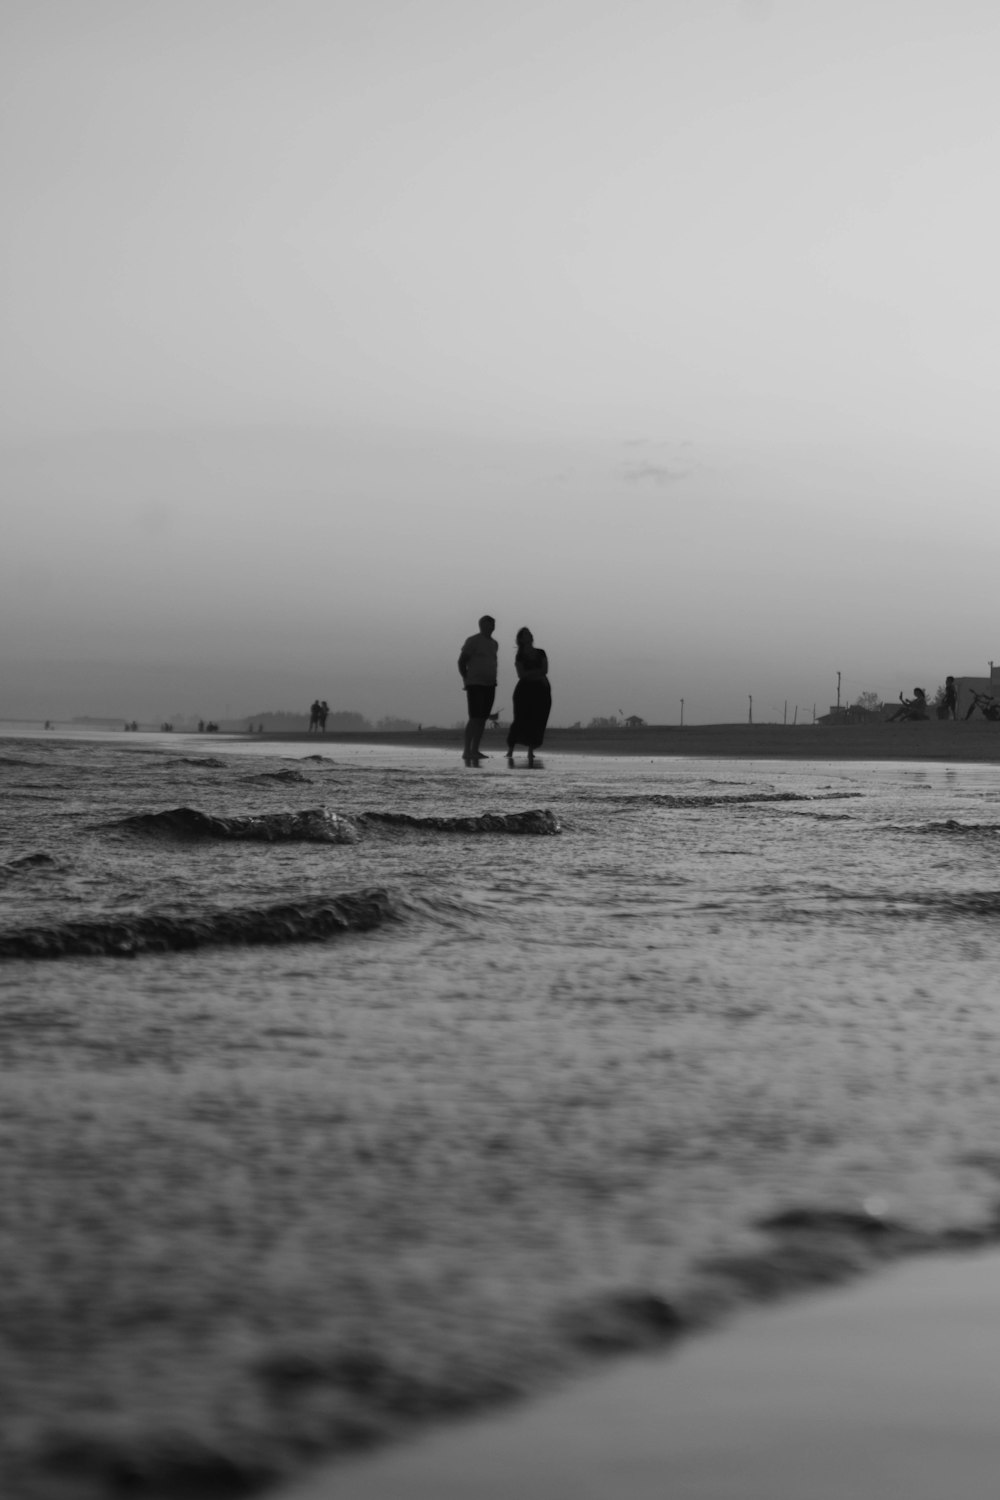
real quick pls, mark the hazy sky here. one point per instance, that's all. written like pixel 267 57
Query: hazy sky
pixel 667 327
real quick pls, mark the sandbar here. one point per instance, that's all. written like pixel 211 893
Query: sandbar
pixel 932 739
pixel 888 1389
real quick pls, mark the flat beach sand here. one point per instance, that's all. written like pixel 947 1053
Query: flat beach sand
pixel 886 1390
pixel 933 739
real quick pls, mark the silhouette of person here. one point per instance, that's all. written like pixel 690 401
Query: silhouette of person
pixel 314 716
pixel 532 697
pixel 911 708
pixel 321 714
pixel 950 698
pixel 477 664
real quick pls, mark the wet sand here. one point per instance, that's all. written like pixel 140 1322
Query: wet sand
pixel 975 740
pixel 886 1390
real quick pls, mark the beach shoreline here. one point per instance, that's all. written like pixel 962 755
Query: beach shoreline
pixel 883 1388
pixel 975 740
pixel 450 1191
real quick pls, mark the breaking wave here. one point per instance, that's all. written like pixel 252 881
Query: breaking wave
pixel 538 820
pixel 25 862
pixel 952 828
pixel 319 825
pixel 309 921
pixel 741 799
pixel 967 904
pixel 315 825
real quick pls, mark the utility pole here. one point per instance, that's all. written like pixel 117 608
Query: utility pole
pixel 785 719
pixel 682 713
pixel 750 719
pixel 838 692
pixel 795 720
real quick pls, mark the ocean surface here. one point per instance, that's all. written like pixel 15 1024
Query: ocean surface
pixel 345 1090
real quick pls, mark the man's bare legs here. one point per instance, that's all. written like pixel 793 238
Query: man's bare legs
pixel 472 755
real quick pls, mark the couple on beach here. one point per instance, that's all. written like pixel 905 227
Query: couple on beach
pixel 477 664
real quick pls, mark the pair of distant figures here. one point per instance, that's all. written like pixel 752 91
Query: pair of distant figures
pixel 317 716
pixel 532 701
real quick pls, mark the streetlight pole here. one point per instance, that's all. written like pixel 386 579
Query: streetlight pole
pixel 682 713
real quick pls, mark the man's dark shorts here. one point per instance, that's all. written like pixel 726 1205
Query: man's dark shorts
pixel 480 701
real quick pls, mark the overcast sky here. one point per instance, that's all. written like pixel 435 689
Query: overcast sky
pixel 666 327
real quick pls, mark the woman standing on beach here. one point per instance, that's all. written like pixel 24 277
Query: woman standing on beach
pixel 532 697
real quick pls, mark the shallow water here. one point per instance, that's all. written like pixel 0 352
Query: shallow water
pixel 332 1124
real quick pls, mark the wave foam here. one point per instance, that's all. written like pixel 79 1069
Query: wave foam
pixel 537 820
pixel 160 932
pixel 311 825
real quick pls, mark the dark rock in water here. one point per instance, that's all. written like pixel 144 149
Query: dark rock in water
pixel 210 762
pixel 127 937
pixel 310 825
pixel 539 820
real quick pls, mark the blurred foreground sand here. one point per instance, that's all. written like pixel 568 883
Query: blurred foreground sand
pixel 888 1390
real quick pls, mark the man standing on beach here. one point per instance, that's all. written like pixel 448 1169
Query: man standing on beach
pixel 477 663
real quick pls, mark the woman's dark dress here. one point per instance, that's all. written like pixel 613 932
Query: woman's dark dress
pixel 532 699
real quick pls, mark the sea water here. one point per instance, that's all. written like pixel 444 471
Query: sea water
pixel 344 1090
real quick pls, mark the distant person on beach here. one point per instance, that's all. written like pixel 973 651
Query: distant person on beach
pixel 477 665
pixel 324 709
pixel 532 697
pixel 950 698
pixel 314 716
pixel 911 708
